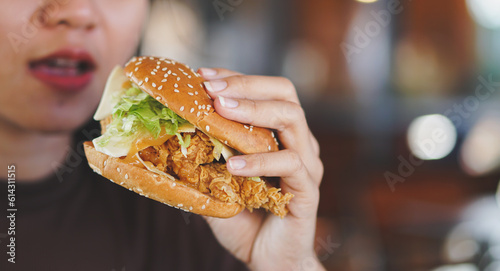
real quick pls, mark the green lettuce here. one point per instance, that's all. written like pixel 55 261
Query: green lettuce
pixel 136 115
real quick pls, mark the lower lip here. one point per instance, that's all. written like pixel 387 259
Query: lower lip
pixel 64 82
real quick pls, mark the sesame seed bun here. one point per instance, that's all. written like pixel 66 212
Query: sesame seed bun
pixel 157 187
pixel 181 89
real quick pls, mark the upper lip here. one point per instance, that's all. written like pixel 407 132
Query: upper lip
pixel 72 57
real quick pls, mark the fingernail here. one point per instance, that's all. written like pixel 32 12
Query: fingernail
pixel 208 72
pixel 237 163
pixel 227 102
pixel 215 85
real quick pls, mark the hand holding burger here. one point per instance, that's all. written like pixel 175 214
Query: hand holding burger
pixel 166 139
pixel 263 241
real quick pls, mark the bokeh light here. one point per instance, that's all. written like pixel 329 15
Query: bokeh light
pixel 431 137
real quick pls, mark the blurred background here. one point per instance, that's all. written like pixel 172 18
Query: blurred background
pixel 403 97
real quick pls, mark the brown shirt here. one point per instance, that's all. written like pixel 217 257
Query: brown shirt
pixel 85 222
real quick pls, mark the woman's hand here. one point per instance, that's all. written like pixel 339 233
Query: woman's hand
pixel 264 241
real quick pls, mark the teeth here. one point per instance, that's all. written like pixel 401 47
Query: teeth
pixel 66 63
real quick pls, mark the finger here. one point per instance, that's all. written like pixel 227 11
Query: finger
pixel 289 166
pixel 216 73
pixel 253 87
pixel 285 164
pixel 286 117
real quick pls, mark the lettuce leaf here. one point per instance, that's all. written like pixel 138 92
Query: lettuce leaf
pixel 136 115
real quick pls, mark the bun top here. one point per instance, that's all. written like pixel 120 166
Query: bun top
pixel 181 89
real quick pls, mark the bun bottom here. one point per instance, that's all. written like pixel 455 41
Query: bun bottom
pixel 157 187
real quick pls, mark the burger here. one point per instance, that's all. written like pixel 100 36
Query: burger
pixel 162 139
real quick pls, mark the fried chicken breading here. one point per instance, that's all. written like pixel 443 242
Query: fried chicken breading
pixel 198 168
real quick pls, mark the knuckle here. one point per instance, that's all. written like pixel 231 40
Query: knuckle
pixel 239 82
pixel 288 84
pixel 295 162
pixel 289 87
pixel 292 115
pixel 320 169
pixel 260 161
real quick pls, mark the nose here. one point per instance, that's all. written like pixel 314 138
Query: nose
pixel 78 14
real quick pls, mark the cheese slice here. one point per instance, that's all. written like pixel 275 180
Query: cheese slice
pixel 115 87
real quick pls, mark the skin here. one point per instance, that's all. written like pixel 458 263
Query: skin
pixel 37 122
pixel 263 241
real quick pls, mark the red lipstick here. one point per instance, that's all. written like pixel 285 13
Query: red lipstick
pixel 68 70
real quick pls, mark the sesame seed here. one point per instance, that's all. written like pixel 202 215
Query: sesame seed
pixel 147 79
pixel 158 62
pixel 105 162
pixel 136 69
pixel 165 75
pixel 158 98
pixel 153 73
pixel 199 107
pixel 191 208
pixel 160 87
pixel 246 127
pixel 196 92
pixel 189 76
pixel 207 128
pixel 176 90
pixel 118 169
pixel 203 207
pixel 154 85
pixel 206 113
pixel 208 107
pixel 126 176
pixel 225 142
pixel 152 58
pixel 157 67
pixel 182 108
pixel 196 102
pixel 174 74
pixel 111 180
pixel 140 83
pixel 192 110
pixel 180 69
pixel 203 107
pixel 208 200
pixel 175 85
pixel 138 63
pixel 173 184
pixel 190 93
pixel 178 79
pixel 164 69
pixel 180 204
pixel 189 85
pixel 198 114
pixel 269 147
pixel 164 80
pixel 140 190
pixel 169 72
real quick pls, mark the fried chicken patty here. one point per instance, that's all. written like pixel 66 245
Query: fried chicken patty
pixel 199 169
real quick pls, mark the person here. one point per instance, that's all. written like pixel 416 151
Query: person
pixel 55 59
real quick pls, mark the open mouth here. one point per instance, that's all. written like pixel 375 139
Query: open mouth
pixel 66 70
